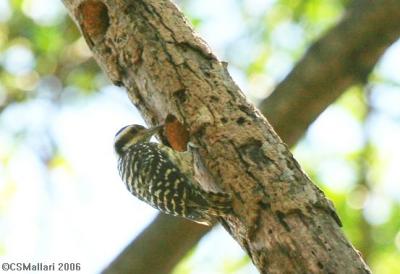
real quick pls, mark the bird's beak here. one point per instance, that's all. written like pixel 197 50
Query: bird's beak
pixel 151 131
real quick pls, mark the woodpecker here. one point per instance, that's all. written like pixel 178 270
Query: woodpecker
pixel 164 178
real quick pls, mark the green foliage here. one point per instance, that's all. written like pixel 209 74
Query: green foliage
pixel 55 50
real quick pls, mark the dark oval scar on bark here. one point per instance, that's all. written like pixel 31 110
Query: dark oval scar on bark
pixel 181 95
pixel 214 98
pixel 94 20
pixel 281 218
pixel 264 205
pixel 240 120
pixel 313 252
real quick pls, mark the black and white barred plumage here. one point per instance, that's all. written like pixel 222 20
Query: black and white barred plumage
pixel 163 178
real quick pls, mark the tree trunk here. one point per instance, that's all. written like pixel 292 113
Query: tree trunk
pixel 372 26
pixel 281 219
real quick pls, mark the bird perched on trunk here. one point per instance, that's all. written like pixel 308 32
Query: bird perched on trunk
pixel 164 178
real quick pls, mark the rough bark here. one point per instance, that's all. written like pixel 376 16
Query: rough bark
pixel 281 219
pixel 313 68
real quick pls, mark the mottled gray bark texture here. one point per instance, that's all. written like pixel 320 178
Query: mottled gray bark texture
pixel 281 219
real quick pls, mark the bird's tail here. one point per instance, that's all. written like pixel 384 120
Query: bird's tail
pixel 220 203
pixel 208 205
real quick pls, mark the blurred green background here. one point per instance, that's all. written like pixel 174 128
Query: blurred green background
pixel 60 194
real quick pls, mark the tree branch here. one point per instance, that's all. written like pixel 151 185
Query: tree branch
pixel 312 72
pixel 166 240
pixel 281 219
pixel 344 56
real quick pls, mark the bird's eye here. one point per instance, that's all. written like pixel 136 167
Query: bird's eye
pixel 135 129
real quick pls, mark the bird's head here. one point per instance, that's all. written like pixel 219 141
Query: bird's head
pixel 131 135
